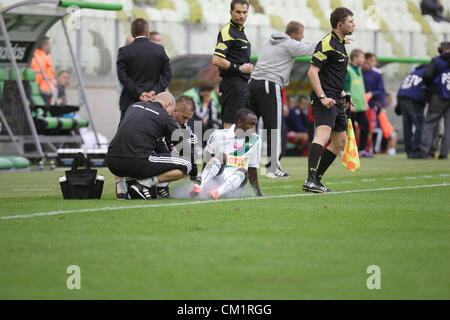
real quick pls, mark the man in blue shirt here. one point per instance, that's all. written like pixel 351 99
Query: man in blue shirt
pixel 373 82
pixel 411 103
pixel 375 91
pixel 297 121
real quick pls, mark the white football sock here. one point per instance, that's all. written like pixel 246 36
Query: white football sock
pixel 233 182
pixel 121 185
pixel 148 182
pixel 211 170
pixel 391 152
pixel 163 184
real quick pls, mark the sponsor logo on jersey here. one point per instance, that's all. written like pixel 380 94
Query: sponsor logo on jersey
pixel 234 161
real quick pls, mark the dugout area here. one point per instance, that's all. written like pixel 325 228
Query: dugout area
pixel 29 127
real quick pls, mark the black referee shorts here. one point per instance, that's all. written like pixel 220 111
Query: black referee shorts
pixel 233 96
pixel 333 117
pixel 155 165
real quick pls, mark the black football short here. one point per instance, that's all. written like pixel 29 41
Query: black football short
pixel 155 165
pixel 333 117
pixel 234 95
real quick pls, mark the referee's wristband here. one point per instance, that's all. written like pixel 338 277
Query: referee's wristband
pixel 234 67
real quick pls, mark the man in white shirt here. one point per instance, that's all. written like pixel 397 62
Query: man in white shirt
pixel 232 155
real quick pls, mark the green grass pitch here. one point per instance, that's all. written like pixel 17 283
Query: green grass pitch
pixel 396 215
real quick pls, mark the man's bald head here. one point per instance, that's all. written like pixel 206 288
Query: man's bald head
pixel 167 101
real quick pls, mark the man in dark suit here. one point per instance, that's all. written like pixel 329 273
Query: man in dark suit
pixel 143 68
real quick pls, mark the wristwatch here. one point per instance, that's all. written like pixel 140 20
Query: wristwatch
pixel 322 96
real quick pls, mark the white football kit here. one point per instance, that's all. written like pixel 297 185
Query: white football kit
pixel 241 153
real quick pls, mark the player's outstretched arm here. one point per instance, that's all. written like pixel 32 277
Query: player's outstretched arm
pixel 253 179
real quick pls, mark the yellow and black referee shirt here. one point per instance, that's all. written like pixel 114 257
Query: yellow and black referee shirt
pixel 331 58
pixel 232 44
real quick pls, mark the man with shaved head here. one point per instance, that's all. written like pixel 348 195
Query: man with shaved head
pixel 132 152
pixel 187 143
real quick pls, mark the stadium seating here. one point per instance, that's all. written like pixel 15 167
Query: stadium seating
pixel 45 120
pixel 394 19
pixel 13 162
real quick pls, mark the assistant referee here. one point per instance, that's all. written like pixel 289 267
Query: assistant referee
pixel 232 56
pixel 327 76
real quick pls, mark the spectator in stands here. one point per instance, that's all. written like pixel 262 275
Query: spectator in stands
pixel 297 123
pixel 311 119
pixel 433 8
pixel 354 83
pixel 437 82
pixel 232 57
pixel 45 77
pixel 411 105
pixel 207 105
pixel 284 129
pixel 375 92
pixel 62 79
pixel 155 37
pixel 143 68
pixel 271 74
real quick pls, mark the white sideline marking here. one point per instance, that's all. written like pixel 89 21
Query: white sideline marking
pixel 176 204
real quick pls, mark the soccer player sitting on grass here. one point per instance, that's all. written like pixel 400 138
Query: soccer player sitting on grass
pixel 232 155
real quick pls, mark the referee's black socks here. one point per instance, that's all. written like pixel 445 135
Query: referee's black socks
pixel 325 162
pixel 313 160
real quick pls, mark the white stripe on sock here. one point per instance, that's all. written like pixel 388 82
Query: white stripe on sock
pixel 279 113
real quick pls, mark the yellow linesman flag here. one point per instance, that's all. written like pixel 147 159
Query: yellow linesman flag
pixel 350 158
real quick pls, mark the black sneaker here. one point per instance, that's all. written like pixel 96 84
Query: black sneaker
pixel 163 192
pixel 325 189
pixel 278 173
pixel 123 196
pixel 139 191
pixel 312 186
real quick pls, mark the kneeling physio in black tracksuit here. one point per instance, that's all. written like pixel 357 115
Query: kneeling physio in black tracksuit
pixel 132 150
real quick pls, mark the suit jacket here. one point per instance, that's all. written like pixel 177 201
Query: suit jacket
pixel 142 66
